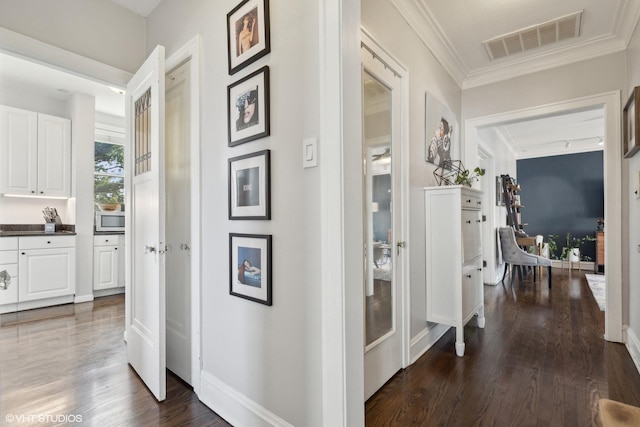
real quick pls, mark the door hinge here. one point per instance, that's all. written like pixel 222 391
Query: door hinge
pixel 484 263
pixel 484 218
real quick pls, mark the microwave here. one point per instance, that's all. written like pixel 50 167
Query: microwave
pixel 109 221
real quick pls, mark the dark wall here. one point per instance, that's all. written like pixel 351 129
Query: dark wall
pixel 563 194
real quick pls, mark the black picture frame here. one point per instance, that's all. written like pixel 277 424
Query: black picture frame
pixel 250 186
pixel 631 124
pixel 250 267
pixel 248 34
pixel 248 108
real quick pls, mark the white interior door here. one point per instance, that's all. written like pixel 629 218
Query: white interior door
pixel 145 302
pixel 178 230
pixel 382 291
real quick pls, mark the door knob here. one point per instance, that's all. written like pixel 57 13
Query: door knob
pixel 149 249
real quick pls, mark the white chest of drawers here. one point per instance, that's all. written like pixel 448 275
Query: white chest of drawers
pixel 453 264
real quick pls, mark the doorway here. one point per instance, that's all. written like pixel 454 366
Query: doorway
pixel 384 264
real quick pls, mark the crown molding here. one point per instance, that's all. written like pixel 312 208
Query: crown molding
pixel 423 23
pixel 419 18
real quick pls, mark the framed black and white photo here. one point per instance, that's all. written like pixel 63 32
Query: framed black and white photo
pixel 631 124
pixel 250 267
pixel 250 186
pixel 248 108
pixel 248 33
pixel 441 132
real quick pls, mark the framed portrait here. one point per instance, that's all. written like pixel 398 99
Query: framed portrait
pixel 630 124
pixel 248 33
pixel 250 267
pixel 248 108
pixel 441 132
pixel 250 186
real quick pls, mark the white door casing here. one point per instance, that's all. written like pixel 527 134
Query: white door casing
pixel 145 217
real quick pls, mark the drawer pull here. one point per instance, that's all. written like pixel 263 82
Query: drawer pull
pixel 468 221
pixel 468 276
pixel 477 220
pixel 479 269
pixel 24 253
pixel 468 200
pixel 115 249
pixel 48 242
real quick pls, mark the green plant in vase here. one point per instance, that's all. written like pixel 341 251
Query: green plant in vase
pixel 465 177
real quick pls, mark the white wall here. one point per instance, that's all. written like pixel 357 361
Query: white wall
pixel 632 169
pixel 382 21
pixel 96 29
pixel 269 355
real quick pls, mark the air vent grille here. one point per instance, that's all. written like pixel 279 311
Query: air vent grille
pixel 546 33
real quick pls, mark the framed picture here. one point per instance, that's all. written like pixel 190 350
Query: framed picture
pixel 250 186
pixel 630 122
pixel 250 267
pixel 248 108
pixel 500 199
pixel 441 132
pixel 248 33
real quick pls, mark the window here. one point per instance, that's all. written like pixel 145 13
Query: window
pixel 109 167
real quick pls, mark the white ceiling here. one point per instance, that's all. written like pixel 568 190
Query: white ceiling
pixel 454 31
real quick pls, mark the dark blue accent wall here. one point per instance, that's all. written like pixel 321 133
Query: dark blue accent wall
pixel 563 194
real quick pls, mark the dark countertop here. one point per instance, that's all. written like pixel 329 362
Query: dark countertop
pixel 23 230
pixel 107 233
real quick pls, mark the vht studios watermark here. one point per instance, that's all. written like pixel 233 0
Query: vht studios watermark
pixel 43 418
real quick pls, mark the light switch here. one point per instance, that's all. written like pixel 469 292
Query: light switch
pixel 309 153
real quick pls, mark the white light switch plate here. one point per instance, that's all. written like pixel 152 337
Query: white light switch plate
pixel 310 153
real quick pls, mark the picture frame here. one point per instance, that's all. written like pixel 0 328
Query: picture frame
pixel 441 132
pixel 250 267
pixel 248 108
pixel 248 33
pixel 250 186
pixel 631 124
pixel 500 199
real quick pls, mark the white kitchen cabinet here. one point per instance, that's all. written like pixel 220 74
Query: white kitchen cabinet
pixel 9 263
pixel 47 267
pixel 454 258
pixel 108 262
pixel 35 153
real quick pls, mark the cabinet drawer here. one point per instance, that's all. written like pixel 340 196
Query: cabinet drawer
pixel 471 201
pixel 46 242
pixel 8 257
pixel 8 243
pixel 105 240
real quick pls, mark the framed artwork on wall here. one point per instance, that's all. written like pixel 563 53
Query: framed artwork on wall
pixel 248 33
pixel 630 124
pixel 250 186
pixel 248 108
pixel 441 132
pixel 250 267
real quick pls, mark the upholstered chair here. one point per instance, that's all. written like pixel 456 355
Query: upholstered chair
pixel 514 255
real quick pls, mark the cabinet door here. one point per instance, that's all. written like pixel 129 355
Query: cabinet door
pixel 105 267
pixel 121 260
pixel 18 151
pixel 46 273
pixel 10 295
pixel 471 234
pixel 54 156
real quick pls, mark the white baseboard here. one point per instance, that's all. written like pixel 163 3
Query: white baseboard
pixel 236 408
pixel 83 298
pixel 633 346
pixel 586 266
pixel 108 292
pixel 426 339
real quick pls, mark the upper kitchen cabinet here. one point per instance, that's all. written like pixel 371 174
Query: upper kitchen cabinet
pixel 35 153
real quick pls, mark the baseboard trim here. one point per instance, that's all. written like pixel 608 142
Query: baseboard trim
pixel 83 298
pixel 425 339
pixel 633 347
pixel 236 408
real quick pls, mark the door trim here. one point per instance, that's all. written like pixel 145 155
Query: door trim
pixel 191 51
pixel 614 238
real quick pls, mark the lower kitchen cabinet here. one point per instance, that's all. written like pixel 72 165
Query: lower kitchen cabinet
pixel 9 265
pixel 108 262
pixel 47 267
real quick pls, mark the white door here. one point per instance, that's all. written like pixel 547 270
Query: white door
pixel 381 93
pixel 488 188
pixel 178 186
pixel 145 215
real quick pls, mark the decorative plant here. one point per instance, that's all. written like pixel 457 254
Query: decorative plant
pixel 570 243
pixel 553 246
pixel 465 177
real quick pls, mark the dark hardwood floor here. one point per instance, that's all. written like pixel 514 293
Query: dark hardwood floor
pixel 378 311
pixel 70 361
pixel 540 361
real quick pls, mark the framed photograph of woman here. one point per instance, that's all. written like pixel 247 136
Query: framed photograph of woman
pixel 248 33
pixel 250 186
pixel 248 107
pixel 250 267
pixel 631 124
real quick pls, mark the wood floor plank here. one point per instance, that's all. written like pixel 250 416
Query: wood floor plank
pixel 541 360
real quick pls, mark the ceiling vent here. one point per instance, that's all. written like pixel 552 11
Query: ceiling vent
pixel 546 33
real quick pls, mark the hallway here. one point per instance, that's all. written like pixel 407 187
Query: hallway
pixel 540 361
